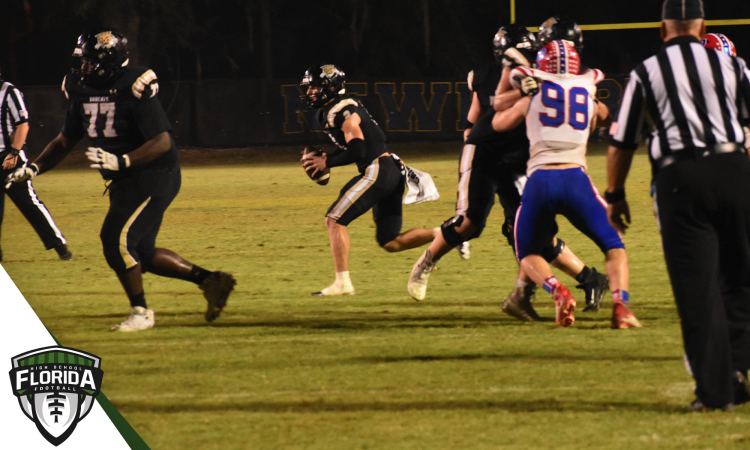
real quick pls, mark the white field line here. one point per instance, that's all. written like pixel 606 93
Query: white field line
pixel 192 342
pixel 676 390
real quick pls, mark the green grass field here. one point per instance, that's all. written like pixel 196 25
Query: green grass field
pixel 282 369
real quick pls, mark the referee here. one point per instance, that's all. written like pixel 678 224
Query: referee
pixel 698 100
pixel 14 124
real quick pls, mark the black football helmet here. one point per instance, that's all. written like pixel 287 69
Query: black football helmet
pixel 513 35
pixel 106 50
pixel 558 28
pixel 330 78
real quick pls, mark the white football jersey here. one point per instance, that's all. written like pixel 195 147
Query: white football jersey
pixel 559 118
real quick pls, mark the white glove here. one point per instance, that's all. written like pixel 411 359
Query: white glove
pixel 22 174
pixel 106 160
pixel 529 86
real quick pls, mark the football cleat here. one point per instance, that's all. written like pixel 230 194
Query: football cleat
pixel 420 273
pixel 216 289
pixel 518 303
pixel 464 250
pixel 698 406
pixel 594 288
pixel 741 389
pixel 139 319
pixel 336 289
pixel 565 304
pixel 623 317
pixel 63 252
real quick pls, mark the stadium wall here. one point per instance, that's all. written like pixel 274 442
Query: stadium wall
pixel 242 113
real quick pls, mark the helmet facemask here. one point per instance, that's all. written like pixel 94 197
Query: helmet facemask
pixel 321 85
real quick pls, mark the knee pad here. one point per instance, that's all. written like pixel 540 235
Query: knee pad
pixel 448 229
pixel 508 232
pixel 550 253
pixel 387 229
pixel 114 258
pixel 146 261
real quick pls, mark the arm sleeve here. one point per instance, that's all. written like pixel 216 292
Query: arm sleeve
pixel 626 133
pixel 73 125
pixel 355 150
pixel 17 107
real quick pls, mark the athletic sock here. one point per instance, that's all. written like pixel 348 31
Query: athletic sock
pixel 198 274
pixel 550 284
pixel 581 277
pixel 343 278
pixel 138 300
pixel 619 295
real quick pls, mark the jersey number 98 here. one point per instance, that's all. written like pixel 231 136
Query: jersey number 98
pixel 554 97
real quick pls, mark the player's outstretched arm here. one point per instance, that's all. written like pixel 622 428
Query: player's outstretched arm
pixel 55 152
pixel 511 118
pixel 618 166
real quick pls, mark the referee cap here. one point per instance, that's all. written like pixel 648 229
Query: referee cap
pixel 682 9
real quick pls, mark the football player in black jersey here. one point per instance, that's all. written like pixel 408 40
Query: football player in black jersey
pixel 492 164
pixel 115 106
pixel 380 185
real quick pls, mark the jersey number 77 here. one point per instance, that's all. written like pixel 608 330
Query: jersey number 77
pixel 558 99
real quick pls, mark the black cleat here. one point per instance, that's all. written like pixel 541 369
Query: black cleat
pixel 216 289
pixel 698 406
pixel 518 303
pixel 741 389
pixel 594 288
pixel 63 252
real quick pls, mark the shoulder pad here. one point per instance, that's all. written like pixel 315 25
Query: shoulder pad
pixel 139 81
pixel 338 107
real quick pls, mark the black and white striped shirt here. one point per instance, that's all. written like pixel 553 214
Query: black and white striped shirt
pixel 696 98
pixel 12 112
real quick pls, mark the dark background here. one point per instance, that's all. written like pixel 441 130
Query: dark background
pixel 265 39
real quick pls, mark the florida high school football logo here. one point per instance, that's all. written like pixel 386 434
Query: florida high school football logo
pixel 56 388
pixel 105 40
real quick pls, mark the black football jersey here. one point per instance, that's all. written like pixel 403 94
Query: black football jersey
pixel 484 81
pixel 333 118
pixel 509 149
pixel 118 119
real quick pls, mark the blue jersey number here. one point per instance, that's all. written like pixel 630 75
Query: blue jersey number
pixel 554 97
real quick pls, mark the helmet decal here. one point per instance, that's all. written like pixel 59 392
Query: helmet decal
pixel 106 40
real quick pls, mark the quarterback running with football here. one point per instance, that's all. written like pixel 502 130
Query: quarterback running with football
pixel 492 164
pixel 379 186
pixel 558 119
pixel 115 106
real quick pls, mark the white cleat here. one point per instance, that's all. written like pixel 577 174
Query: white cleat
pixel 464 250
pixel 336 289
pixel 140 319
pixel 420 273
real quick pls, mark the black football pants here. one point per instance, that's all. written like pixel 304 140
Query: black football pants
pixel 704 213
pixel 136 208
pixel 25 199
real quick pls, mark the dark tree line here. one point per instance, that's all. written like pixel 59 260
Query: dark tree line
pixel 265 39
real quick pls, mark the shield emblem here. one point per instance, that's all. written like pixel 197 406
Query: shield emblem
pixel 56 387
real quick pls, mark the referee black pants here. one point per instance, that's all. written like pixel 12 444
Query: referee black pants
pixel 704 213
pixel 25 199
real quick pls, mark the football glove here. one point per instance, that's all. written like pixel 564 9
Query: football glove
pixel 21 174
pixel 106 160
pixel 513 58
pixel 529 86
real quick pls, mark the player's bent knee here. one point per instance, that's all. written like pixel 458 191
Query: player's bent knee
pixel 450 234
pixel 550 253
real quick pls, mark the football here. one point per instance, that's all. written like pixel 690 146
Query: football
pixel 323 177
